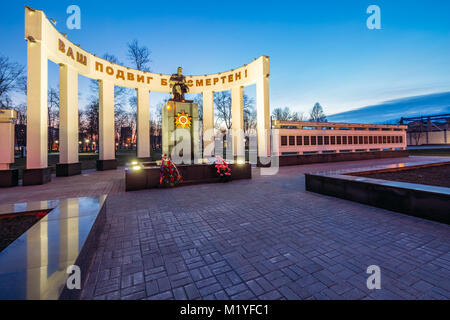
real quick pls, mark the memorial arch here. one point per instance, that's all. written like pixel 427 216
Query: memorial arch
pixel 45 43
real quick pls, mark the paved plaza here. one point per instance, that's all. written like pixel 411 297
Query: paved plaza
pixel 265 238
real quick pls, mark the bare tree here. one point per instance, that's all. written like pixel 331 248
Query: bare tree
pixel 53 116
pixel 90 119
pixel 21 113
pixel 199 100
pixel 317 114
pixel 139 56
pixel 222 101
pixel 297 116
pixel 415 130
pixel 281 114
pixel 10 72
pixel 249 114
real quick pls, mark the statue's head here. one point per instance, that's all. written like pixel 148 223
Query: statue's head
pixel 180 71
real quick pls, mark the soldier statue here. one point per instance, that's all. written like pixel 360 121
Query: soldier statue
pixel 179 86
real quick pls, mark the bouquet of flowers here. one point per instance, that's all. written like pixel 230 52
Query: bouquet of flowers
pixel 223 169
pixel 170 177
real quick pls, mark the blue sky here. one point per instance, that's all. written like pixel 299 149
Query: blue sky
pixel 321 51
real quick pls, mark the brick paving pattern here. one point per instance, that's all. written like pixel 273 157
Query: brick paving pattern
pixel 261 239
pixel 264 239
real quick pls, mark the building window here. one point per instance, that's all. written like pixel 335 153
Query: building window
pixel 401 139
pixel 283 140
pixel 299 140
pixel 384 139
pixel 291 140
pixel 327 140
pixel 320 140
pixel 339 140
pixel 344 140
pixel 370 140
pixel 306 141
pixel 355 140
pixel 313 140
pixel 333 140
pixel 366 140
pixel 396 139
pixel 350 139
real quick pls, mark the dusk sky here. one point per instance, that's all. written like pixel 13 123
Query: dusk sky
pixel 321 51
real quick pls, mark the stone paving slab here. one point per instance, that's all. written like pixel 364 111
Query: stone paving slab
pixel 261 239
pixel 264 239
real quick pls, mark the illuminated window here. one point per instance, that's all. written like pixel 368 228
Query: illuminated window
pixel 320 140
pixel 306 141
pixel 291 140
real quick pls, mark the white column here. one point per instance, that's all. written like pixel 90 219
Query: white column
pixel 237 117
pixel 37 255
pixel 106 120
pixel 143 124
pixel 68 115
pixel 68 230
pixel 37 115
pixel 208 124
pixel 263 116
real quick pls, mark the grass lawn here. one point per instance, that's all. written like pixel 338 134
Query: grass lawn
pixel 88 160
pixel 430 152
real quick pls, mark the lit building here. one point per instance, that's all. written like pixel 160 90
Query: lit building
pixel 305 138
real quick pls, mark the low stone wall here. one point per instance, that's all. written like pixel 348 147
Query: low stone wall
pixel 86 257
pixel 148 178
pixel 73 228
pixel 339 157
pixel 427 202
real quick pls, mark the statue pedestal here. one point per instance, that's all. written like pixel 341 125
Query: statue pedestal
pixel 182 144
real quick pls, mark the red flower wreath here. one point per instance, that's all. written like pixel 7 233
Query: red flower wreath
pixel 169 177
pixel 222 167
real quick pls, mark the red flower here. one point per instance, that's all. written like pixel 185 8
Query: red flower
pixel 41 215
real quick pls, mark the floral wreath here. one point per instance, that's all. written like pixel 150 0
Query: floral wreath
pixel 169 177
pixel 223 169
